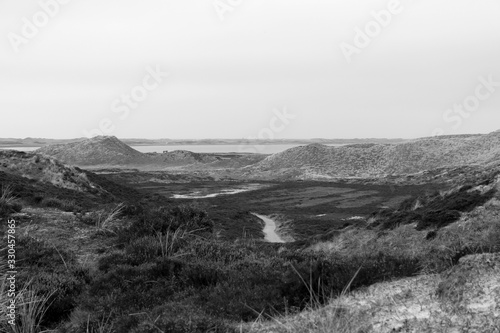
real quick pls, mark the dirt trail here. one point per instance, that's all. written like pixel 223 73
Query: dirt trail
pixel 270 229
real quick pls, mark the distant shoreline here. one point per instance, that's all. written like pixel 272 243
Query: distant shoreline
pixel 12 143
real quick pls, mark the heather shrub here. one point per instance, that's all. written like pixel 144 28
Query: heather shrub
pixel 201 274
pixel 436 210
pixel 246 289
pixel 142 249
pixel 49 271
pixel 221 251
pixel 316 278
pixel 437 219
pixel 126 288
pixel 8 201
pixel 169 271
pixel 182 316
pixel 162 220
pixel 65 205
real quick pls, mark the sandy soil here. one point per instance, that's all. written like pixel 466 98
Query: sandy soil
pixel 270 229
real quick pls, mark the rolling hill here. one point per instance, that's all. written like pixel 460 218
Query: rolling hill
pixel 110 151
pixel 98 150
pixel 46 170
pixel 312 162
pixel 318 161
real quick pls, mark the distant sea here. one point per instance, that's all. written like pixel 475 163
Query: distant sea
pixel 19 148
pixel 261 149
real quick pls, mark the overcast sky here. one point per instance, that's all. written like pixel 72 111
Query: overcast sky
pixel 235 65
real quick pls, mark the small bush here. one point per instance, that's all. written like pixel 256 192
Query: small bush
pixel 437 219
pixel 220 251
pixel 130 289
pixel 103 218
pixel 65 205
pixel 200 274
pixel 50 272
pixel 317 278
pixel 433 211
pixel 8 202
pixel 182 316
pixel 245 290
pixel 163 220
pixel 132 210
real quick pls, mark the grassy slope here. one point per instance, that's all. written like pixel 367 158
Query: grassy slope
pixel 158 264
pixel 454 291
pixel 377 160
pixel 313 208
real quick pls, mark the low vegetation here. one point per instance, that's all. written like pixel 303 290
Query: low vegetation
pixel 166 267
pixel 65 205
pixel 8 201
pixel 169 273
pixel 439 209
pixel 101 219
pixel 31 310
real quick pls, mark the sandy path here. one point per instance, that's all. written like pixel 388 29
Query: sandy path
pixel 270 229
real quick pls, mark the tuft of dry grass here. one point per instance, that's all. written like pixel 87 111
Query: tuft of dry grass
pixel 104 325
pixel 6 196
pixel 169 242
pixel 316 318
pixel 8 201
pixel 416 304
pixel 333 318
pixel 30 307
pixel 476 232
pixel 109 216
pixel 103 218
pixel 464 298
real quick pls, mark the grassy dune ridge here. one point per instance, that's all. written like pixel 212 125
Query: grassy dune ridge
pixel 110 258
pixel 379 160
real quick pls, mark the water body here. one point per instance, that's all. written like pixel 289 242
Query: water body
pixel 197 195
pixel 261 149
pixel 20 148
pixel 204 194
pixel 270 229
